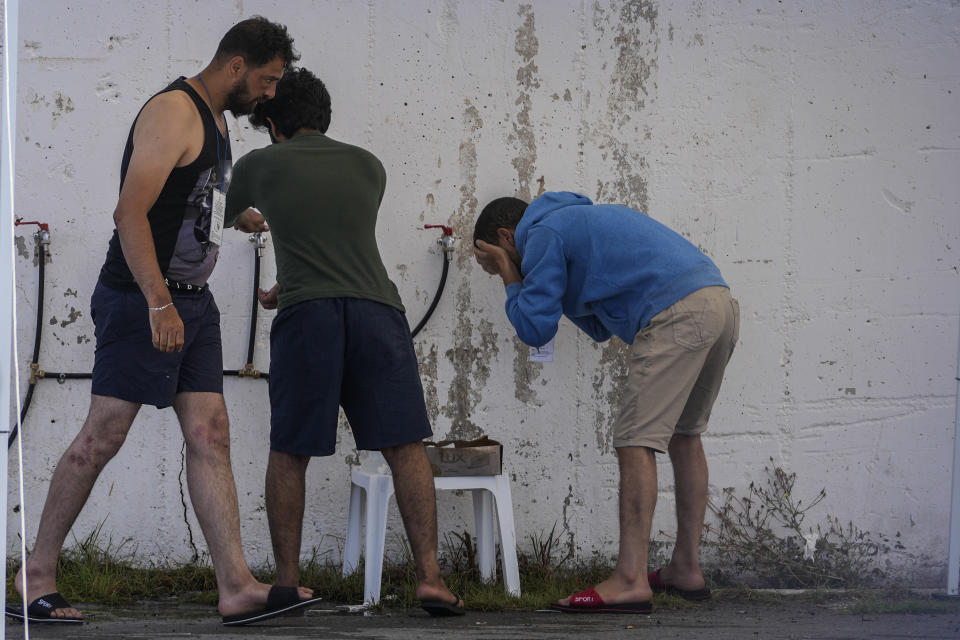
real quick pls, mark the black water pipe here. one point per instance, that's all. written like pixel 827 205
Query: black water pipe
pixel 446 244
pixel 255 302
pixel 37 374
pixel 248 370
pixel 43 238
pixel 436 297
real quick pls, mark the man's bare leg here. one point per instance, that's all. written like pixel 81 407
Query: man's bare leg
pixel 638 498
pixel 285 491
pixel 690 480
pixel 203 419
pixel 416 499
pixel 100 438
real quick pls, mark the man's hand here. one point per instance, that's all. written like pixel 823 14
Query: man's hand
pixel 496 261
pixel 251 221
pixel 268 299
pixel 490 257
pixel 166 327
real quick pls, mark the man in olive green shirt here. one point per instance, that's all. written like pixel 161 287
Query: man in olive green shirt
pixel 340 337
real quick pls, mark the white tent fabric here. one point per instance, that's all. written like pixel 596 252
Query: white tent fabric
pixel 953 563
pixel 7 288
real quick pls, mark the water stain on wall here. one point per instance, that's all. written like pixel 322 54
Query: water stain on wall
pixel 609 380
pixel 471 363
pixel 636 42
pixel 21 244
pixel 428 376
pixel 524 374
pixel 523 138
pixel 471 366
pixel 62 106
pixel 466 214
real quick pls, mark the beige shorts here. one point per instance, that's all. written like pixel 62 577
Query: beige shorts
pixel 676 367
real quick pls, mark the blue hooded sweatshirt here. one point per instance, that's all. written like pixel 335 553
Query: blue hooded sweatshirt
pixel 608 268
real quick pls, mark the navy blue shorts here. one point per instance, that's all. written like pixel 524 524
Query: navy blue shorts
pixel 347 352
pixel 126 366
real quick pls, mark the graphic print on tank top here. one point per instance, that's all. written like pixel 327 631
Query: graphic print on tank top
pixel 194 256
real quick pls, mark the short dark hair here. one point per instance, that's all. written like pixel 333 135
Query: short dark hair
pixel 502 212
pixel 258 41
pixel 301 101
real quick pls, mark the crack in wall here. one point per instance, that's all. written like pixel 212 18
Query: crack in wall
pixel 183 501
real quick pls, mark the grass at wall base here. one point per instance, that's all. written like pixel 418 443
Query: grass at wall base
pixel 760 534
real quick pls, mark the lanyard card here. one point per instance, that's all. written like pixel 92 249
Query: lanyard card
pixel 216 216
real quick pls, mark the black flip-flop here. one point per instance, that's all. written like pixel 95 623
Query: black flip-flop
pixel 280 600
pixel 443 609
pixel 40 609
pixel 659 586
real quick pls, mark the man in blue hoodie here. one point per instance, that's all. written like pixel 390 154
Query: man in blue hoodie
pixel 616 272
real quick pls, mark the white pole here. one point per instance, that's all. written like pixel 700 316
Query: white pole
pixel 953 564
pixel 7 289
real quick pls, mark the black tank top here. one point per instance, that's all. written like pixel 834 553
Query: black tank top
pixel 180 218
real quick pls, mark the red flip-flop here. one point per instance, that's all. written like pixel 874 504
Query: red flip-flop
pixel 659 586
pixel 589 601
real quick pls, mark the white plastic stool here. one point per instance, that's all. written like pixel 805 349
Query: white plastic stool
pixel 378 486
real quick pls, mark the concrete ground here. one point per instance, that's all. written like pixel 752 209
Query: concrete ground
pixel 714 621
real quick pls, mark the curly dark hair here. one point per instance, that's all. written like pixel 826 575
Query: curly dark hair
pixel 502 212
pixel 258 41
pixel 302 101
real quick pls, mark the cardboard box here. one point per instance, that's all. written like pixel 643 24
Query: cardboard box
pixel 480 457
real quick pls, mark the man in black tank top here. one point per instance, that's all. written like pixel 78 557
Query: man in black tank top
pixel 157 326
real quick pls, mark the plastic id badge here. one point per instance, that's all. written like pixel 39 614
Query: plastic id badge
pixel 217 215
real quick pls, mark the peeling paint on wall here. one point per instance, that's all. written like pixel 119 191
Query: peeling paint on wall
pixel 471 366
pixel 466 215
pixel 73 317
pixel 524 162
pixel 525 373
pixel 609 381
pixel 428 376
pixel 635 43
pixel 523 137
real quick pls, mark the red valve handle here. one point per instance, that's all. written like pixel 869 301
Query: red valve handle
pixel 42 225
pixel 447 231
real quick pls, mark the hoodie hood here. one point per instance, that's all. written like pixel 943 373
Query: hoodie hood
pixel 542 208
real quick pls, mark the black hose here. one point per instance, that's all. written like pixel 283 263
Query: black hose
pixel 254 305
pixel 41 253
pixel 42 256
pixel 68 376
pixel 436 298
pixel 244 373
pixel 23 414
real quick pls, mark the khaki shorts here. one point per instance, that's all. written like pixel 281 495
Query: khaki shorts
pixel 676 367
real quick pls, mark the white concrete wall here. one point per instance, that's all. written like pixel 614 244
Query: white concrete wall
pixel 810 148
